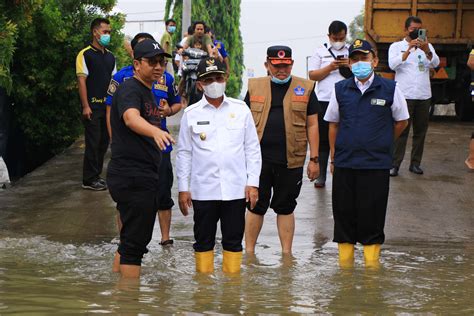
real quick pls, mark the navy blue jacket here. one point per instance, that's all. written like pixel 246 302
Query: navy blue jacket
pixel 365 134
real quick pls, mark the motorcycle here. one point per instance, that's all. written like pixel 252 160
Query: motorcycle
pixel 189 70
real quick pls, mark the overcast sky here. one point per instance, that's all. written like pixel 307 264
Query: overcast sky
pixel 300 24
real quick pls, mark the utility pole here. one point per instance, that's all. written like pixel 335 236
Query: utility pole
pixel 186 16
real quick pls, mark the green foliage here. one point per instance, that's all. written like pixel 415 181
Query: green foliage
pixel 7 41
pixel 356 27
pixel 49 34
pixel 224 18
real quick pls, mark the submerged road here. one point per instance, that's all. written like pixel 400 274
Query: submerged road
pixel 430 218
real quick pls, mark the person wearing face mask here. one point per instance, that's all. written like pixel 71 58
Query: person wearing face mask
pixel 285 110
pixel 95 65
pixel 218 166
pixel 365 114
pixel 411 59
pixel 328 65
pixel 167 43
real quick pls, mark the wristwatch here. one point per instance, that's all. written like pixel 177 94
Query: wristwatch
pixel 314 159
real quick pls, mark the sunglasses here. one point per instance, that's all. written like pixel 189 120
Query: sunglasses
pixel 208 80
pixel 153 61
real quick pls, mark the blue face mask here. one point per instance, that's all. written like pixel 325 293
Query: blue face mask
pixel 362 69
pixel 281 81
pixel 104 40
pixel 172 29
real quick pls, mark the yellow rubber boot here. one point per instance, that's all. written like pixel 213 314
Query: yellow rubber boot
pixel 204 261
pixel 371 255
pixel 346 255
pixel 232 261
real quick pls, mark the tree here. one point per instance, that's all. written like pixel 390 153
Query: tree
pixel 43 38
pixel 356 27
pixel 224 18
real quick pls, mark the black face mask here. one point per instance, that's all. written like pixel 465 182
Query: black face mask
pixel 413 34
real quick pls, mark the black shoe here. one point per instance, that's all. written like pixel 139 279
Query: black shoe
pixel 319 184
pixel 168 242
pixel 394 172
pixel 95 186
pixel 416 169
pixel 102 181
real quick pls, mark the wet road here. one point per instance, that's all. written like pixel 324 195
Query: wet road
pixel 57 243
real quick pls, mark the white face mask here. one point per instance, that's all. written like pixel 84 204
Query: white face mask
pixel 338 45
pixel 214 90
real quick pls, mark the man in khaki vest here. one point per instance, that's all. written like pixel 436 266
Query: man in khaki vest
pixel 285 110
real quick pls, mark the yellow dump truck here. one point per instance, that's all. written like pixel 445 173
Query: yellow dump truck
pixel 450 28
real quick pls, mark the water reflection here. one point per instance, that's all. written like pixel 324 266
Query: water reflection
pixel 42 276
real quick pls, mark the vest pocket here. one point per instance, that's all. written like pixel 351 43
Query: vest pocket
pixel 257 110
pixel 301 143
pixel 299 114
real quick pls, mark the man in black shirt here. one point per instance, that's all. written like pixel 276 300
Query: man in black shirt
pixel 284 109
pixel 132 174
pixel 95 65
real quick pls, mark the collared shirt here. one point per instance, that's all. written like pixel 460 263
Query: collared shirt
pixel 399 106
pixel 98 67
pixel 322 58
pixel 413 74
pixel 218 151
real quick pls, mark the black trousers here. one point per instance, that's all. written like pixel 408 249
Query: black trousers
pixel 232 217
pixel 359 199
pixel 97 142
pixel 136 199
pixel 323 142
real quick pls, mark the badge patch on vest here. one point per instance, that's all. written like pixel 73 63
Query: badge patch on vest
pixel 380 102
pixel 299 90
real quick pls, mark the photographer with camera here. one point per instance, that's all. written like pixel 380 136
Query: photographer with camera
pixel 328 65
pixel 411 59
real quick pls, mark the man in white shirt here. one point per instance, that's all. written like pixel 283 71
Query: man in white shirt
pixel 218 167
pixel 365 115
pixel 411 59
pixel 328 65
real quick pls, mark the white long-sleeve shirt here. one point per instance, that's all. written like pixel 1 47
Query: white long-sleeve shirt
pixel 218 151
pixel 322 58
pixel 413 81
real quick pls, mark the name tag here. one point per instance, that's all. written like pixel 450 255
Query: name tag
pixel 380 102
pixel 203 123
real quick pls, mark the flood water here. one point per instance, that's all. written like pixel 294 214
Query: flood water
pixel 57 243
